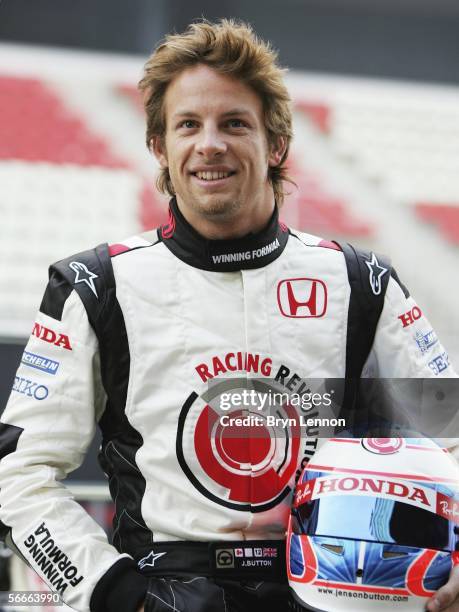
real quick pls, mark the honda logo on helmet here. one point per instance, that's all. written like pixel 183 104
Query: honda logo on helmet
pixel 302 297
pixel 383 446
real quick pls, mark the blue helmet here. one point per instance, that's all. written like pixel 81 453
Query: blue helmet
pixel 374 523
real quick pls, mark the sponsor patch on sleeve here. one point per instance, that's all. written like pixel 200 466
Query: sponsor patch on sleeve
pixel 409 317
pixel 425 341
pixel 40 363
pixel 30 388
pixel 439 363
pixel 51 337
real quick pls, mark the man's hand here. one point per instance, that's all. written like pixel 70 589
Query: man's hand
pixel 447 598
pixel 140 609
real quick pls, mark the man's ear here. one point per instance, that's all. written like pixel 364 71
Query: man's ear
pixel 158 148
pixel 277 151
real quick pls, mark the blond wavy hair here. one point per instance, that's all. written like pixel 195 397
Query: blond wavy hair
pixel 231 48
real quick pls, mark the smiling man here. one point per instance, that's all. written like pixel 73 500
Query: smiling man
pixel 216 151
pixel 158 326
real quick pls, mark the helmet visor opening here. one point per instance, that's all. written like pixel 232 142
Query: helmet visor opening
pixel 374 519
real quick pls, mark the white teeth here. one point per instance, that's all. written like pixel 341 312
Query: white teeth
pixel 212 176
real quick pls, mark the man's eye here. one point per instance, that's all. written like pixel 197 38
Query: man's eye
pixel 236 123
pixel 188 123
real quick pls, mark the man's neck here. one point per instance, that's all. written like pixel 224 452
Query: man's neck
pixel 250 251
pixel 224 228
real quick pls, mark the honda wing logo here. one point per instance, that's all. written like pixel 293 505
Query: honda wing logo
pixel 83 275
pixel 302 297
pixel 376 273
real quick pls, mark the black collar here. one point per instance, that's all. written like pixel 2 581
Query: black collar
pixel 251 251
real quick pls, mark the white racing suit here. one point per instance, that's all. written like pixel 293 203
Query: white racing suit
pixel 143 338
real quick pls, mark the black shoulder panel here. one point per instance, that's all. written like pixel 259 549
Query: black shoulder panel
pixel 90 273
pixel 56 294
pixel 368 276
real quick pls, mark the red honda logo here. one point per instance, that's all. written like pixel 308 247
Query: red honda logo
pixel 302 297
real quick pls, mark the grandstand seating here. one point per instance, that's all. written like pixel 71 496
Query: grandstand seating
pixel 318 112
pixel 36 127
pixel 314 207
pixel 406 144
pixel 445 217
pixel 63 190
pixel 132 93
pixel 66 185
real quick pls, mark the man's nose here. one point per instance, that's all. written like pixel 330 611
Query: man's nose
pixel 210 142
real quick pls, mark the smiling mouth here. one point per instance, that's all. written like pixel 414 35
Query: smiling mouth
pixel 212 176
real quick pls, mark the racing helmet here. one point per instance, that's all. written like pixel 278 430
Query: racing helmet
pixel 374 523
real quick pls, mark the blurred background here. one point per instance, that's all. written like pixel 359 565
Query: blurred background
pixel 375 87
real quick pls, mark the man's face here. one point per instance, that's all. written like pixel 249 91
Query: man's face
pixel 217 152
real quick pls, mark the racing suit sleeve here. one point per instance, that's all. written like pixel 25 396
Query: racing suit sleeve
pixel 45 431
pixel 411 368
pixel 405 345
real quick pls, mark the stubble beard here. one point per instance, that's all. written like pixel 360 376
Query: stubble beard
pixel 221 209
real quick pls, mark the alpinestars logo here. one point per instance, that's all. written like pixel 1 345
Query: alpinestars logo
pixel 83 275
pixel 376 273
pixel 150 559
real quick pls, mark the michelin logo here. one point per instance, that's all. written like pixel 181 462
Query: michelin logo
pixel 426 341
pixel 40 363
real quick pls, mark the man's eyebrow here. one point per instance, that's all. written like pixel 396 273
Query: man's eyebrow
pixel 230 113
pixel 184 113
pixel 237 111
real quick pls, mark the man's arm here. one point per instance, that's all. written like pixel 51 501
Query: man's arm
pixel 406 346
pixel 45 431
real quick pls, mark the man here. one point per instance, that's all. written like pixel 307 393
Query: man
pixel 144 336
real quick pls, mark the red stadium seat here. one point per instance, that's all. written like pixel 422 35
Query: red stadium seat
pixel 315 209
pixel 318 112
pixel 36 126
pixel 132 93
pixel 444 216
